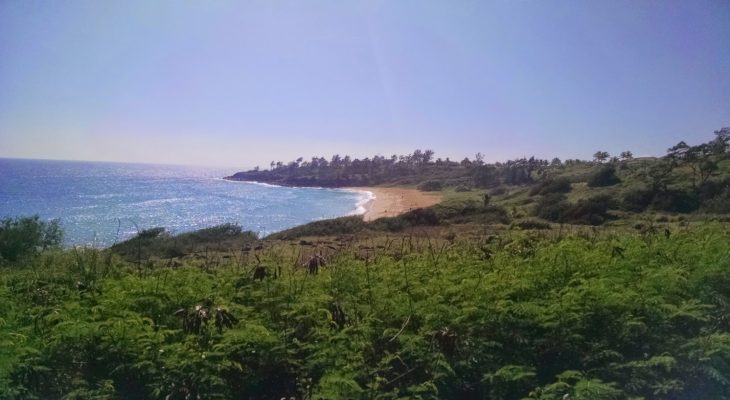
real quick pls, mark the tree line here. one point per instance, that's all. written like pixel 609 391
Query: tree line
pixel 422 165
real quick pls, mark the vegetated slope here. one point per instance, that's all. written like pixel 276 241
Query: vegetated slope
pixel 519 315
pixel 688 180
pixel 156 242
pixel 420 168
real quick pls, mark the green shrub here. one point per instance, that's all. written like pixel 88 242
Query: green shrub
pixel 676 200
pixel 552 207
pixel 417 217
pixel 606 176
pixel 519 315
pixel 158 242
pixel 327 227
pixel 719 204
pixel 22 237
pixel 637 199
pixel 430 186
pixel 533 224
pixel 592 211
pixel 558 185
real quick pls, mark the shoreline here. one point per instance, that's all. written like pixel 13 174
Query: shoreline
pixel 382 202
pixel 393 201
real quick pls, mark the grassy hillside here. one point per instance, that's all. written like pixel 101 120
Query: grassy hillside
pixel 693 181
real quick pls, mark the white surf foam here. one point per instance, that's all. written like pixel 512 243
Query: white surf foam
pixel 363 200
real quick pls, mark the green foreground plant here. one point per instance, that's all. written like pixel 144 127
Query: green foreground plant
pixel 520 315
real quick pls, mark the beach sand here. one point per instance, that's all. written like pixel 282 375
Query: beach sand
pixel 390 202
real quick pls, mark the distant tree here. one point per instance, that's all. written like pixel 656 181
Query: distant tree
pixel 606 176
pixel 518 172
pixel 428 156
pixel 552 185
pixel 430 186
pixel 721 143
pixel 678 152
pixel 479 159
pixel 702 162
pixel 336 161
pixel 21 237
pixel 601 156
pixel 556 162
pixel 657 175
pixel 627 155
pixel 485 176
pixel 701 159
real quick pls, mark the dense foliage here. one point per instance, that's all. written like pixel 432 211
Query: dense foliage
pixel 511 307
pixel 593 316
pixel 22 237
pixel 416 168
pixel 421 167
pixel 158 242
pixel 606 176
pixel 689 179
pixel 442 214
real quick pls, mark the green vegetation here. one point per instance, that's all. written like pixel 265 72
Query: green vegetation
pixel 606 176
pixel 457 208
pixel 158 243
pixel 588 315
pixel 430 186
pixel 689 179
pixel 24 237
pixel 500 291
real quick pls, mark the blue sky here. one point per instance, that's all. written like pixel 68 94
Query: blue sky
pixel 241 83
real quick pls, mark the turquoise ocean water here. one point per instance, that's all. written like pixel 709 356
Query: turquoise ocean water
pixel 100 203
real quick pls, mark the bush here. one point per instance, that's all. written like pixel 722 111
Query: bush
pixel 417 217
pixel 159 243
pixel 592 211
pixel 606 176
pixel 681 201
pixel 22 237
pixel 637 200
pixel 327 227
pixel 519 315
pixel 719 204
pixel 558 185
pixel 552 207
pixel 430 186
pixel 713 188
pixel 533 224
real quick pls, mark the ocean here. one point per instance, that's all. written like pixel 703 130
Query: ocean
pixel 100 203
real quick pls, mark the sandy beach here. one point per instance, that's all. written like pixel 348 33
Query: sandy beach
pixel 390 202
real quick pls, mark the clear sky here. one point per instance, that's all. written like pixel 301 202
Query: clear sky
pixel 241 83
